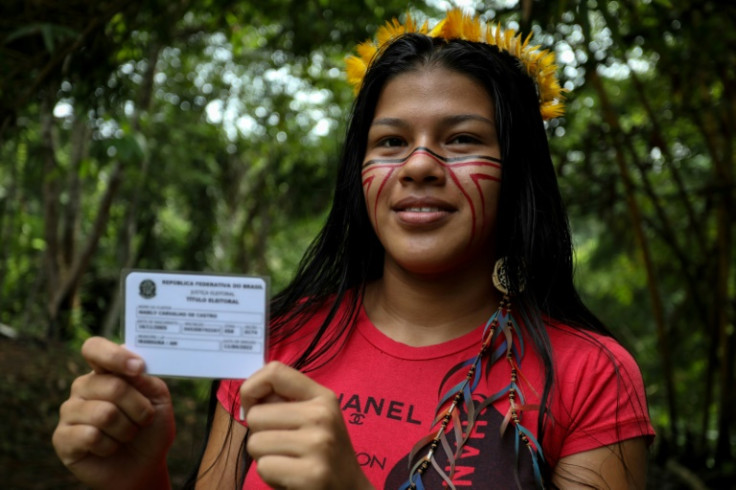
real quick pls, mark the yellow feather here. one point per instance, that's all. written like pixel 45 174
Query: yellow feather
pixel 410 27
pixel 366 50
pixel 355 69
pixel 438 29
pixel 508 36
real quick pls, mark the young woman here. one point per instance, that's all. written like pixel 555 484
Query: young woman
pixel 432 336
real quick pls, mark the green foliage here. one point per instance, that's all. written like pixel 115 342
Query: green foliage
pixel 222 125
pixel 647 167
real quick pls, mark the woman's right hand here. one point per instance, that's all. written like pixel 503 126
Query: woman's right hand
pixel 117 426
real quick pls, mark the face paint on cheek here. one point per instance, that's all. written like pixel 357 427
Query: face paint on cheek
pixel 376 173
pixel 466 173
pixel 474 168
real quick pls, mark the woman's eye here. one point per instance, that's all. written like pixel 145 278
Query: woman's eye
pixel 391 142
pixel 463 139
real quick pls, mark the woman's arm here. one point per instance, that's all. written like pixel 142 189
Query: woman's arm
pixel 618 466
pixel 221 460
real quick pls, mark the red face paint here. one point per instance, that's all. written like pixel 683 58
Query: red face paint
pixel 464 172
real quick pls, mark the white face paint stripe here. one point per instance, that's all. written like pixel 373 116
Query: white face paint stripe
pixel 467 159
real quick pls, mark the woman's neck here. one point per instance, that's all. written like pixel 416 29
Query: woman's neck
pixel 427 310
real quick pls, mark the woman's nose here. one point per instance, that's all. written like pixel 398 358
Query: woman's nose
pixel 422 166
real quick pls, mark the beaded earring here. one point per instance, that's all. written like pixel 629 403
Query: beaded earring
pixel 497 342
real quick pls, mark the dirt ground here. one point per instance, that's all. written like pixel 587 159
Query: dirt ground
pixel 34 380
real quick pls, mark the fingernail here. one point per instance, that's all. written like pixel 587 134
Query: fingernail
pixel 148 417
pixel 242 413
pixel 134 366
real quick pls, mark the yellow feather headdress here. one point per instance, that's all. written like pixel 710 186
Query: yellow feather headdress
pixel 539 63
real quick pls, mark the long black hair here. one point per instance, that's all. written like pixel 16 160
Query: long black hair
pixel 532 228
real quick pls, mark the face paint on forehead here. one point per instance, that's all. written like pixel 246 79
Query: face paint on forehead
pixel 474 167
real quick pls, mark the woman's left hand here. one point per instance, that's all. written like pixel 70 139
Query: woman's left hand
pixel 297 435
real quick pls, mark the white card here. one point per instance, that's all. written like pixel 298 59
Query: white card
pixel 196 325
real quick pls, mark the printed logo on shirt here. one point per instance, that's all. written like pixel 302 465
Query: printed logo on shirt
pixel 369 460
pixel 357 409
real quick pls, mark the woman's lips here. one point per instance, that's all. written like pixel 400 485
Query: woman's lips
pixel 422 211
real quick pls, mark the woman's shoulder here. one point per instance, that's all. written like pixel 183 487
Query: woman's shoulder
pixel 592 368
pixel 578 346
pixel 599 396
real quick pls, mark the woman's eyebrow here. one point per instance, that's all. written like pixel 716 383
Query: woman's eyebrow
pixel 459 118
pixel 447 120
pixel 390 121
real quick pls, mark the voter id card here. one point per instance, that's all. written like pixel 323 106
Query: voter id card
pixel 196 325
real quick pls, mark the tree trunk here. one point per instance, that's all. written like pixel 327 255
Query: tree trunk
pixel 725 337
pixel 9 210
pixel 71 281
pixel 70 217
pixel 723 294
pixel 715 128
pixel 50 212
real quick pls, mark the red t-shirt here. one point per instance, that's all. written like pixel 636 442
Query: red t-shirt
pixel 389 392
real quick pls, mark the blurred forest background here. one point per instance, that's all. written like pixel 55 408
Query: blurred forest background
pixel 203 135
